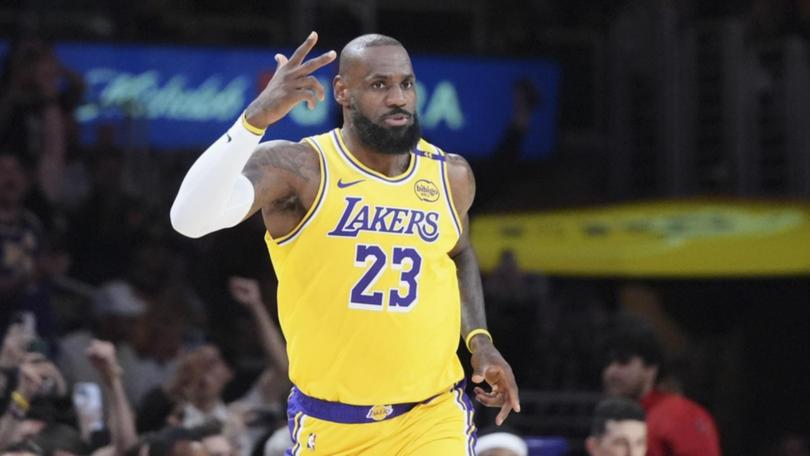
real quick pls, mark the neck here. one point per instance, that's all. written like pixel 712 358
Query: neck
pixel 387 164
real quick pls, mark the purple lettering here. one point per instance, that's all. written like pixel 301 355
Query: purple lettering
pixel 416 218
pixel 378 222
pixel 429 231
pixel 396 220
pixel 340 229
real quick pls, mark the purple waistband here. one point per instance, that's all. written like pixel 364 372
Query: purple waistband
pixel 351 414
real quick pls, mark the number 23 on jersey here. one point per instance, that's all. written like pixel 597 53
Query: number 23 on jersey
pixel 374 260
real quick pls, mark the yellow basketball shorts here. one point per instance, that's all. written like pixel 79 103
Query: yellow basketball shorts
pixel 439 426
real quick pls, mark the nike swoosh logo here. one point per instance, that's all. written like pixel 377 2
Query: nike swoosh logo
pixel 342 184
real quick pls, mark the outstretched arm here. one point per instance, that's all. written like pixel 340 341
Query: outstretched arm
pixel 121 418
pixel 215 193
pixel 247 292
pixel 487 362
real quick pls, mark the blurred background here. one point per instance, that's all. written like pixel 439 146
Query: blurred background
pixel 641 158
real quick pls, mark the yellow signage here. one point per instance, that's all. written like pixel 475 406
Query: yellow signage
pixel 654 239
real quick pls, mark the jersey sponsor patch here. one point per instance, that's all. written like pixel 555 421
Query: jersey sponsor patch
pixel 426 190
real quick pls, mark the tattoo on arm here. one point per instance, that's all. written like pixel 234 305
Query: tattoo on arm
pixel 274 169
pixel 473 314
pixel 290 159
pixel 462 182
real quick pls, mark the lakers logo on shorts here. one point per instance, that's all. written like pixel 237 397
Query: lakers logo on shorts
pixel 426 190
pixel 379 412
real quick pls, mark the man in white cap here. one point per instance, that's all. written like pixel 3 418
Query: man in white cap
pixel 501 444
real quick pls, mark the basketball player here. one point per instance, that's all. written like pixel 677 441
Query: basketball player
pixel 367 230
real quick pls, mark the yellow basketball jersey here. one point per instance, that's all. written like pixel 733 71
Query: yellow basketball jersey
pixel 368 298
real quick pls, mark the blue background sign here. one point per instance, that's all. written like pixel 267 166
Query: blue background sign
pixel 185 97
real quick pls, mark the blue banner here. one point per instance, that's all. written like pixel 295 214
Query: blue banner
pixel 185 97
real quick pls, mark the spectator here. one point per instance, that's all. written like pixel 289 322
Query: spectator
pixel 109 224
pixel 36 377
pixel 37 98
pixel 121 419
pixel 116 308
pixel 170 441
pixel 675 424
pixel 25 263
pixel 618 429
pixel 501 444
pixel 193 395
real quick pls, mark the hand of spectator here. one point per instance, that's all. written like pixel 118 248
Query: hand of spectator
pixel 488 365
pixel 102 355
pixel 246 292
pixel 15 345
pixel 37 375
pixel 29 380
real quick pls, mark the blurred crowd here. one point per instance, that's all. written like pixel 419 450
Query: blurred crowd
pixel 107 348
pixel 121 337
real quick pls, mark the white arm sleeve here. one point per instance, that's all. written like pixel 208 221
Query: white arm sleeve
pixel 214 194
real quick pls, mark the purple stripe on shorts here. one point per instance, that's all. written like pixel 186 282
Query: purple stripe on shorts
pixel 470 430
pixel 294 418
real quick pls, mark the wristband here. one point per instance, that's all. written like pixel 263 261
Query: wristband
pixel 20 401
pixel 474 333
pixel 256 131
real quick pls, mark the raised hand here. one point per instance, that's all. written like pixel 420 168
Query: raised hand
pixel 246 291
pixel 39 376
pixel 488 365
pixel 291 84
pixel 15 345
pixel 102 355
pixel 29 380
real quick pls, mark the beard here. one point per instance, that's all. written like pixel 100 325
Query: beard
pixel 387 140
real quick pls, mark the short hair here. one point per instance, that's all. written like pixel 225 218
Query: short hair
pixel 207 429
pixel 162 442
pixel 615 409
pixel 631 337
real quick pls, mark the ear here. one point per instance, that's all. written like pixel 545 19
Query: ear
pixel 340 90
pixel 590 445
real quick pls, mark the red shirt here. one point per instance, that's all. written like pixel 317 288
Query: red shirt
pixel 677 426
